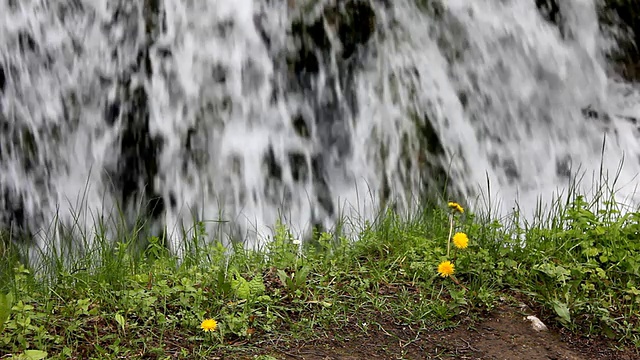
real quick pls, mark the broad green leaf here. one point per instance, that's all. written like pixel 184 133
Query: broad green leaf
pixel 591 251
pixel 6 302
pixel 120 320
pixel 284 278
pixel 562 310
pixel 256 286
pixel 599 230
pixel 241 287
pixel 35 354
pixel 558 272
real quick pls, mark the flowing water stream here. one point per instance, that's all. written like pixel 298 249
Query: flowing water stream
pixel 248 111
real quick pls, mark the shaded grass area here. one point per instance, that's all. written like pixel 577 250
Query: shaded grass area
pixel 578 265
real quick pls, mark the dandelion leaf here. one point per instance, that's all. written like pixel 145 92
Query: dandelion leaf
pixel 562 310
pixel 6 301
pixel 35 354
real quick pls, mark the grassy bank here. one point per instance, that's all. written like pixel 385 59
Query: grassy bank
pixel 578 264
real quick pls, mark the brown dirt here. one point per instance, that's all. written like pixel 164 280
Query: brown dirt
pixel 502 335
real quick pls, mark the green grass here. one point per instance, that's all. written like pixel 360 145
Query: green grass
pixel 578 263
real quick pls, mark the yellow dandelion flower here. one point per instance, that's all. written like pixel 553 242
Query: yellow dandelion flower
pixel 446 268
pixel 209 325
pixel 461 240
pixel 456 207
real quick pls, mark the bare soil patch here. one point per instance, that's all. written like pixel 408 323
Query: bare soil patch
pixel 504 334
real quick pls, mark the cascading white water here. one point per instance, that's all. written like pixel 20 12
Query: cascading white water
pixel 248 111
pixel 527 85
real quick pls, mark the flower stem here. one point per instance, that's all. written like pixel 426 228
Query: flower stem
pixel 458 282
pixel 450 231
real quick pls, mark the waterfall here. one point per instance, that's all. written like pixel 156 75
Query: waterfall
pixel 244 112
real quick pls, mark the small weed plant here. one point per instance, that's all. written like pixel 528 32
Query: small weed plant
pixel 442 265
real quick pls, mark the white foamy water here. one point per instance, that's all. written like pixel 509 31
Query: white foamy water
pixel 201 104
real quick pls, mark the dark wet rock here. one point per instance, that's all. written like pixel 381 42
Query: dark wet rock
pixel 155 206
pixel 16 222
pixel 258 21
pixel 164 52
pixel 511 170
pixel 356 25
pixel 3 79
pixel 332 43
pixel 426 157
pixel 65 10
pixel 29 149
pixel 464 99
pixel 550 10
pixel 274 170
pixel 563 167
pixel 138 165
pixel 300 126
pixel 224 27
pixel 13 210
pixel 195 148
pixel 189 143
pixel 152 17
pixel 112 112
pixel 137 168
pixel 26 42
pixel 331 117
pixel 172 200
pixel 19 143
pixel 353 22
pixel 430 155
pixel 133 177
pixel 433 8
pixel 299 168
pixel 589 112
pixel 71 105
pixel 605 119
pixel 313 35
pixel 219 74
pixel 624 14
pixel 144 62
pixel 306 63
pixel 323 193
pixel 430 137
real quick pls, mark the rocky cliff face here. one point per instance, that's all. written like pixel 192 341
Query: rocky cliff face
pixel 160 106
pixel 625 14
pixel 621 20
